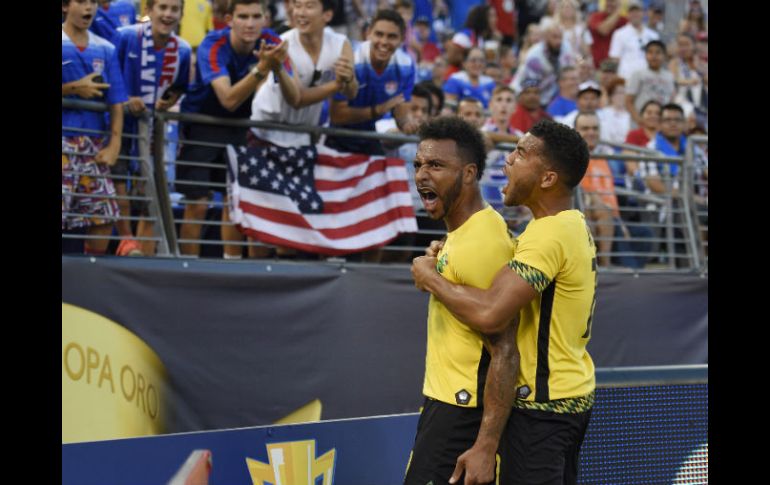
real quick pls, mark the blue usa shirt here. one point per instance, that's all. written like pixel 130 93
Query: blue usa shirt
pixel 216 58
pixel 98 56
pixel 107 21
pixel 460 85
pixel 129 48
pixel 375 88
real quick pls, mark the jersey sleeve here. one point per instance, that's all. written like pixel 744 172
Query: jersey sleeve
pixel 212 59
pixel 539 255
pixel 116 93
pixel 407 81
pixel 183 79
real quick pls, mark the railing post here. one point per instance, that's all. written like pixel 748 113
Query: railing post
pixel 688 198
pixel 164 199
pixel 151 189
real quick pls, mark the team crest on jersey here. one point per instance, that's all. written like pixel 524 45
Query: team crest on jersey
pixel 391 87
pixel 463 397
pixel 523 391
pixel 124 20
pixel 98 65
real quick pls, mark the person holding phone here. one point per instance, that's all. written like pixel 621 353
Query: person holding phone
pixel 90 71
pixel 155 63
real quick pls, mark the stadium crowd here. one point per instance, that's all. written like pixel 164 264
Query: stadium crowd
pixel 385 66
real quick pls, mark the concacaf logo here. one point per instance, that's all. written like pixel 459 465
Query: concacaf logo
pixel 292 463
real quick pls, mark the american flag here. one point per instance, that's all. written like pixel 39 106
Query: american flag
pixel 318 200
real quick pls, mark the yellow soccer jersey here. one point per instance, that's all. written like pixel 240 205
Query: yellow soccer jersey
pixel 456 362
pixel 557 256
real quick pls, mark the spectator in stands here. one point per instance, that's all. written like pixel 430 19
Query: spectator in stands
pixel 608 72
pixel 478 31
pixel 670 140
pixel 532 36
pixel 543 62
pixel 321 61
pixel 627 44
pixel 471 82
pixel 601 204
pixel 501 108
pixel 664 178
pixel 405 8
pixel 565 101
pixel 508 62
pixel 650 115
pixel 436 96
pixel 471 110
pixel 528 109
pixel 226 78
pixel 155 64
pixel 494 71
pixel 386 77
pixel 426 49
pixel 615 118
pixel 602 25
pixel 651 82
pixel 506 20
pixel 688 74
pixel 112 15
pixel 694 21
pixel 656 11
pixel 497 129
pixel 197 21
pixel 587 100
pixel 576 34
pixel 90 70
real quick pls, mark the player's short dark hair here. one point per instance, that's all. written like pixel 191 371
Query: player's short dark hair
pixel 671 107
pixel 391 16
pixel 231 4
pixel 470 143
pixel 327 5
pixel 585 113
pixel 422 92
pixel 653 43
pixel 434 90
pixel 648 103
pixel 564 148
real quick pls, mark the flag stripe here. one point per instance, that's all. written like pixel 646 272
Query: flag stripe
pixel 365 198
pixel 365 184
pixel 324 182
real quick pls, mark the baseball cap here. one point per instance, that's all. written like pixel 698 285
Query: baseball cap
pixel 589 86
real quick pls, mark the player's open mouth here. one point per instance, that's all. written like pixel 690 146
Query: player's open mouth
pixel 429 198
pixel 87 17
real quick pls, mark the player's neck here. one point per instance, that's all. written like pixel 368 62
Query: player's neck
pixel 159 40
pixel 76 35
pixel 464 208
pixel 550 205
pixel 312 42
pixel 240 46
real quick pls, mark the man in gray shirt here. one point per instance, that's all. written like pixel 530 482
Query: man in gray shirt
pixel 651 82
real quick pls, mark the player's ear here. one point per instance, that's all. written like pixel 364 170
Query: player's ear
pixel 469 173
pixel 549 179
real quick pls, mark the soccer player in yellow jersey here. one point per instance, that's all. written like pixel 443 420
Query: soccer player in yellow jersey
pixel 550 283
pixel 469 377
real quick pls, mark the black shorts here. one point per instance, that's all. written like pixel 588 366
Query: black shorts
pixel 541 447
pixel 122 165
pixel 205 154
pixel 444 432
